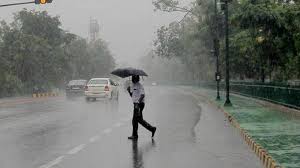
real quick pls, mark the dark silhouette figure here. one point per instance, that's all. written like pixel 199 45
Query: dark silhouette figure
pixel 137 92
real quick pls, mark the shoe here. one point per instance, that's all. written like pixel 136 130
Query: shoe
pixel 153 131
pixel 133 137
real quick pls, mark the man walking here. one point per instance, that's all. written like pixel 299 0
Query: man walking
pixel 137 93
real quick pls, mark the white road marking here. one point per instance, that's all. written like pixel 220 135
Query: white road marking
pixel 53 163
pixel 82 146
pixel 107 131
pixel 94 139
pixel 117 124
pixel 76 149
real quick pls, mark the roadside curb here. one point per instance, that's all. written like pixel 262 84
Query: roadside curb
pixel 40 95
pixel 261 153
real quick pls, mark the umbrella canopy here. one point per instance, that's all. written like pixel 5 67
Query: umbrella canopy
pixel 127 72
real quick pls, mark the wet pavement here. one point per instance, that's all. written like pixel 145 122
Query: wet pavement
pixel 73 133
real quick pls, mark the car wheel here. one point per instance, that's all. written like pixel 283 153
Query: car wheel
pixel 87 99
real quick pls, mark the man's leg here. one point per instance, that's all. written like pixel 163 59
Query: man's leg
pixel 135 123
pixel 142 121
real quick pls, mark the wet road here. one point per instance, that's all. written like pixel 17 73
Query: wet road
pixel 73 133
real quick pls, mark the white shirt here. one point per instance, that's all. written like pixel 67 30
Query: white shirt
pixel 137 90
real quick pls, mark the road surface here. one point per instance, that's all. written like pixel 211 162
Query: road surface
pixel 72 133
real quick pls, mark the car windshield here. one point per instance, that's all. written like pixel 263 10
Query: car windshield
pixel 77 82
pixel 98 81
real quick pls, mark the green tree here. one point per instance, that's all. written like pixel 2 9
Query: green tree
pixel 36 52
pixel 264 38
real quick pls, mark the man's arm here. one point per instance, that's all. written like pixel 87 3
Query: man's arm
pixel 142 94
pixel 141 98
pixel 130 93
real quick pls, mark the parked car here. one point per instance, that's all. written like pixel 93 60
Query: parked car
pixel 101 88
pixel 76 87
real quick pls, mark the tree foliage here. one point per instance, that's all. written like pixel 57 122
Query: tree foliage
pixel 37 53
pixel 188 41
pixel 273 28
pixel 264 38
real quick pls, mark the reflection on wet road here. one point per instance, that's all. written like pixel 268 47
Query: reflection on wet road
pixel 139 151
pixel 73 133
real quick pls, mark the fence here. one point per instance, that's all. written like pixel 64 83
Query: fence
pixel 280 94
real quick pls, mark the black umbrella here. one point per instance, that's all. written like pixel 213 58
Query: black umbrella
pixel 127 72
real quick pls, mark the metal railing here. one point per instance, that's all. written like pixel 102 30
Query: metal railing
pixel 281 94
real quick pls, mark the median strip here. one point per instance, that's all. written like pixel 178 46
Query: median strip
pixel 251 123
pixel 21 101
pixel 47 94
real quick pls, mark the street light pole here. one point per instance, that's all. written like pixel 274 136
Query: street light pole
pixel 216 50
pixel 218 75
pixel 227 102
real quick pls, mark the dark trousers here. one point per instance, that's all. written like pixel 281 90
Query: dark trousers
pixel 138 118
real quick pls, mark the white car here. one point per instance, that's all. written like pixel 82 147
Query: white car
pixel 101 88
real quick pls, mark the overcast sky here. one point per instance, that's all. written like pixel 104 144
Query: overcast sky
pixel 128 26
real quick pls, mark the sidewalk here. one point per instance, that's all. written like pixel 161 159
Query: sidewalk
pixel 276 131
